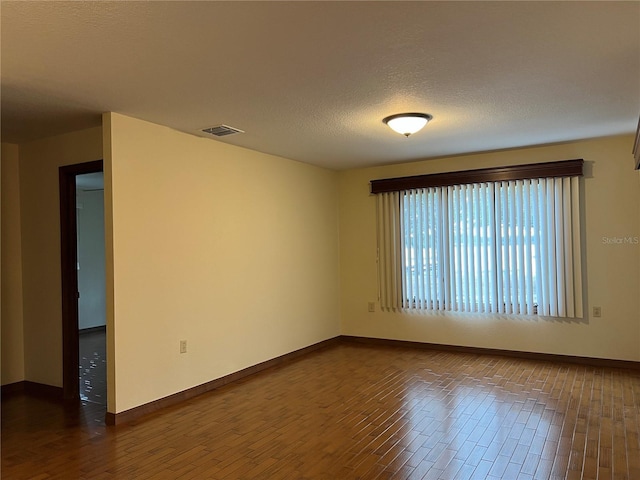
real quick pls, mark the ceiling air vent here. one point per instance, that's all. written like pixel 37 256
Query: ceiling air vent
pixel 222 130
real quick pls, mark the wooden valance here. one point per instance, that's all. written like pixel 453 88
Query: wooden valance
pixel 564 168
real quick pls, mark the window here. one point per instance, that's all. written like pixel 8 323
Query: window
pixel 490 241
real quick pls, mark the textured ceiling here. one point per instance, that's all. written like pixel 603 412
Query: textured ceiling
pixel 312 81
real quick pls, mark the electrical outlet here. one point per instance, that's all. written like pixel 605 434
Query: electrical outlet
pixel 183 346
pixel 372 306
pixel 597 311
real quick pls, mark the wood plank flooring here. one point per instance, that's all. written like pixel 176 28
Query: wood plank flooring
pixel 93 366
pixel 354 412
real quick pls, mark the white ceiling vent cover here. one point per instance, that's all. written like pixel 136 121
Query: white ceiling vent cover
pixel 222 130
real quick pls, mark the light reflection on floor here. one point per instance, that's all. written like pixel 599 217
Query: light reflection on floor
pixel 93 367
pixel 501 412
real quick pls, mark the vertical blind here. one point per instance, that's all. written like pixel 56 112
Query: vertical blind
pixel 390 251
pixel 509 247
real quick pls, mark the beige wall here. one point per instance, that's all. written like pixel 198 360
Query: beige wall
pixel 40 215
pixel 12 321
pixel 612 209
pixel 233 250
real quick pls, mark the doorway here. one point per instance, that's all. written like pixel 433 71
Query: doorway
pixel 69 244
pixel 92 307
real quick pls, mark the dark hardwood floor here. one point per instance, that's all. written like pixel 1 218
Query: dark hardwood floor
pixel 353 412
pixel 93 366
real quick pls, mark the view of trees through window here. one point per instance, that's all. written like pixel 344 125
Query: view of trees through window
pixel 475 247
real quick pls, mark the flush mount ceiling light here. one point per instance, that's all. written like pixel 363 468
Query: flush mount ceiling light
pixel 407 123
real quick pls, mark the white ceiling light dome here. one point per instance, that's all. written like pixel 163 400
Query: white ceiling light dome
pixel 407 123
